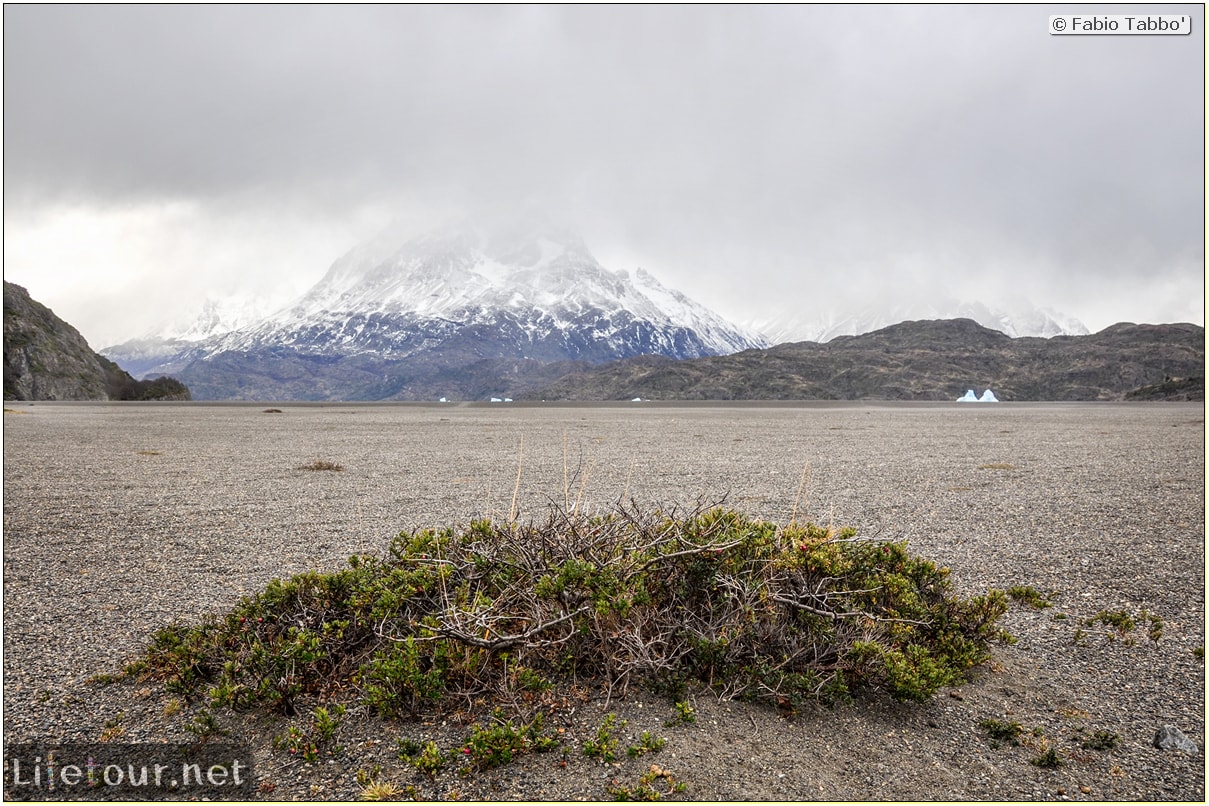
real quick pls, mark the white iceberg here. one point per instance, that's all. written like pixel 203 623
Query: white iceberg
pixel 968 397
pixel 636 400
pixel 496 400
pixel 988 397
pixel 442 400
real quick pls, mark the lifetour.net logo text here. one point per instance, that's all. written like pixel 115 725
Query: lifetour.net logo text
pixel 106 771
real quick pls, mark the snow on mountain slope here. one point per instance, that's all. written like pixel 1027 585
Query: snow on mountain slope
pixel 540 283
pixel 160 351
pixel 534 292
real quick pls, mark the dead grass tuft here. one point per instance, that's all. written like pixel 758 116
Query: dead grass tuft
pixel 321 464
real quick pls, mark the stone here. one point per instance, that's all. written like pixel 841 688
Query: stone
pixel 1169 737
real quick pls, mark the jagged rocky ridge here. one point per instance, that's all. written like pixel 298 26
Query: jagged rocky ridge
pixel 45 358
pixel 459 313
pixel 920 360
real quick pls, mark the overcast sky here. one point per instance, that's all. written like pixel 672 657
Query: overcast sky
pixel 758 158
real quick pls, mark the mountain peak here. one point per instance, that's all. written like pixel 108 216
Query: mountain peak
pixel 525 289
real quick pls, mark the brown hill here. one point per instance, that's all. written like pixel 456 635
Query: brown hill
pixel 922 360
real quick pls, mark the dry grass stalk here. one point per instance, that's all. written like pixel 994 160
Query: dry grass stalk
pixel 802 485
pixel 520 463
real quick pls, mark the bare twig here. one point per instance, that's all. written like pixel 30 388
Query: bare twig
pixel 508 641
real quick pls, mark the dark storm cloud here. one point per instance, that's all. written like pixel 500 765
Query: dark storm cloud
pixel 806 149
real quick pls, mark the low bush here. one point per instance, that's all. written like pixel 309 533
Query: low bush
pixel 500 742
pixel 714 598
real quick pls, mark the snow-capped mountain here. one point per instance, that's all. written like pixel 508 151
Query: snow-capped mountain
pixel 158 351
pixel 1016 318
pixel 395 320
pixel 545 291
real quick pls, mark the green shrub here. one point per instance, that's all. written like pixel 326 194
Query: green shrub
pixel 787 614
pixel 500 743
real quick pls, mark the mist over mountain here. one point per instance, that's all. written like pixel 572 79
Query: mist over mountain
pixel 524 309
pixel 436 315
pixel 1012 317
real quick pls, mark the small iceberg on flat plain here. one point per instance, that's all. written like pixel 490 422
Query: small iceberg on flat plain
pixel 968 397
pixel 988 397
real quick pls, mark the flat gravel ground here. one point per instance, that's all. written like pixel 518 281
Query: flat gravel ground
pixel 119 518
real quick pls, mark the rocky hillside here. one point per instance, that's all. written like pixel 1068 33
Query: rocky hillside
pixel 47 359
pixel 921 360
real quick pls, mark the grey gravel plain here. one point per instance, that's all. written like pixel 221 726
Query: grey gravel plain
pixel 119 518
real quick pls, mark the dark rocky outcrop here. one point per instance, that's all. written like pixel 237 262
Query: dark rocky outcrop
pixel 47 359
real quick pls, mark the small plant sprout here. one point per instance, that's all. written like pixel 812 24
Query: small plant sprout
pixel 204 725
pixel 1047 758
pixel 604 745
pixel 999 731
pixel 646 744
pixel 1101 740
pixel 1119 624
pixel 685 714
pixel 308 743
pixel 654 784
pixel 1029 596
pixel 429 760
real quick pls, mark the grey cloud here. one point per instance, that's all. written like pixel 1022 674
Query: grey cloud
pixel 813 149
